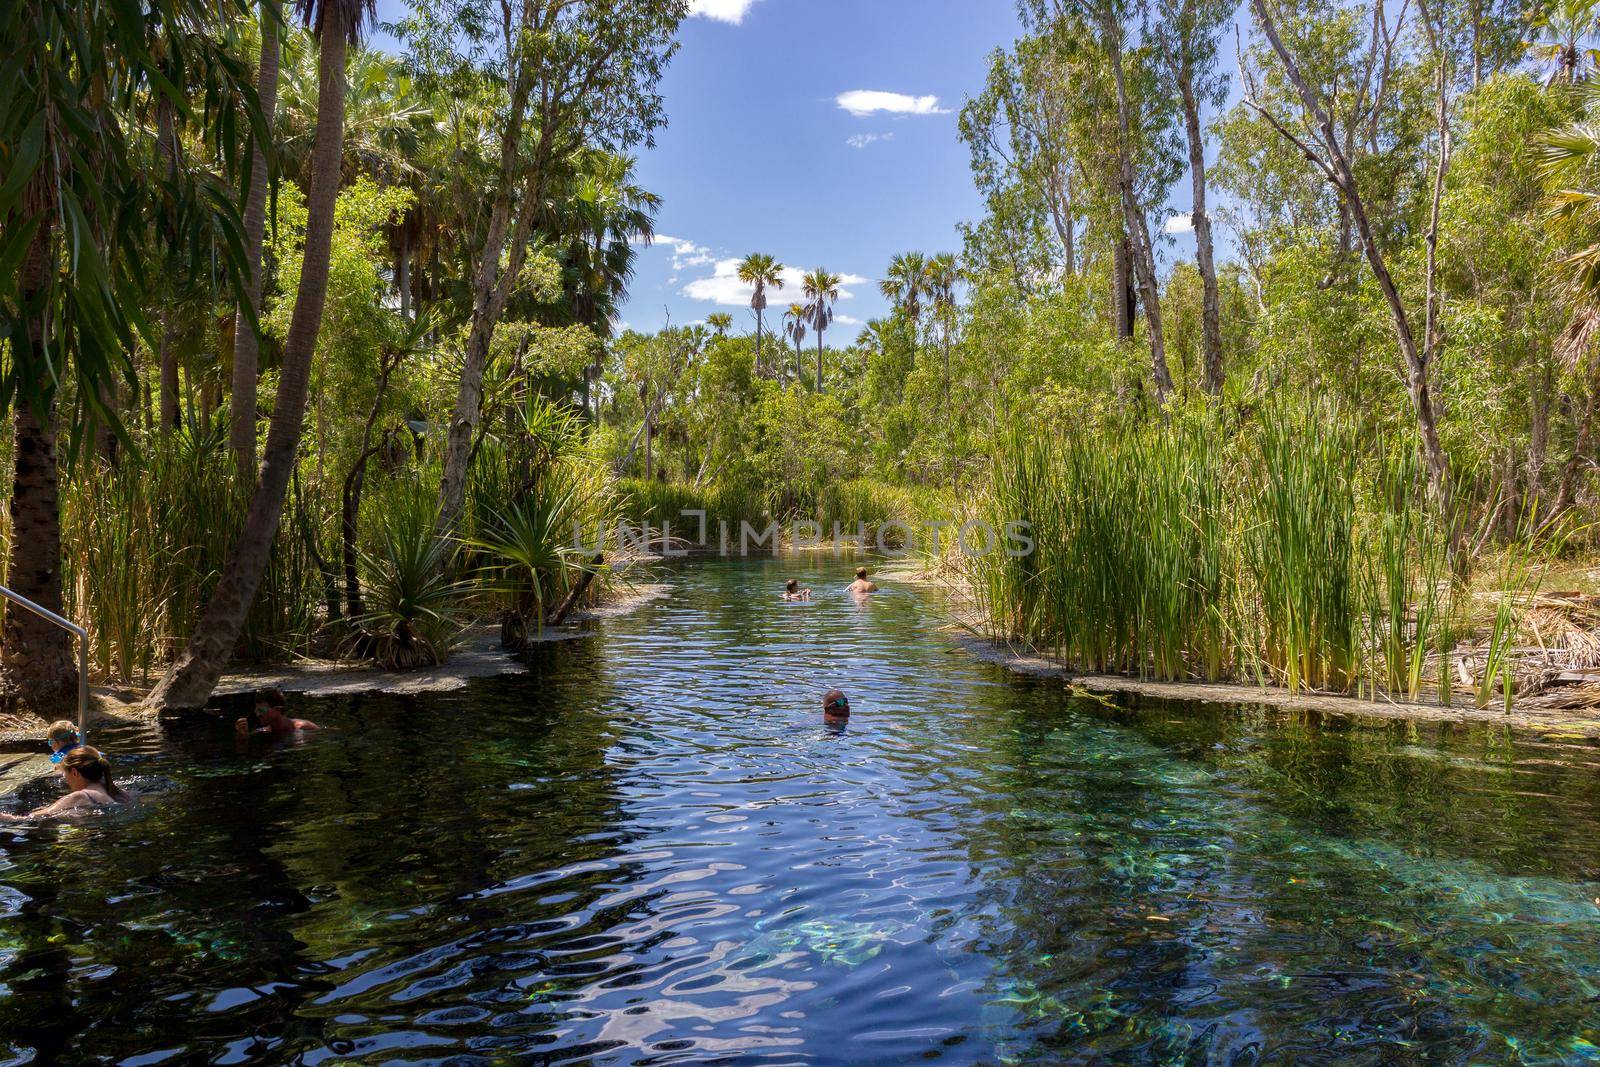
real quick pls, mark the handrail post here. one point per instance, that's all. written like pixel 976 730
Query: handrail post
pixel 83 653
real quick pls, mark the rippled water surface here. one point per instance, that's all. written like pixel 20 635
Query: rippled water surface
pixel 650 850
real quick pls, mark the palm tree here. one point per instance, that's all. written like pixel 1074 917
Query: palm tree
pixel 1562 29
pixel 794 328
pixel 904 285
pixel 336 24
pixel 603 216
pixel 821 289
pixel 760 270
pixel 246 341
pixel 385 119
pixel 720 322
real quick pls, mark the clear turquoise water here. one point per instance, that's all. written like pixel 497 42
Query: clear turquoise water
pixel 650 850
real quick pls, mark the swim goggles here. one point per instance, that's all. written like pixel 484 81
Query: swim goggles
pixel 61 753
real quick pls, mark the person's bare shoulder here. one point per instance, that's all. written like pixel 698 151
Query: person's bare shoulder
pixel 305 724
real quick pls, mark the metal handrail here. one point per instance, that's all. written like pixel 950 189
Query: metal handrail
pixel 83 654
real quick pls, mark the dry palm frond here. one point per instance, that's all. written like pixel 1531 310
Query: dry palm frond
pixel 1573 344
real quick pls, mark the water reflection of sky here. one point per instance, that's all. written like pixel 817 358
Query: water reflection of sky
pixel 651 849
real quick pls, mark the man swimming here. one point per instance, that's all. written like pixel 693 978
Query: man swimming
pixel 861 585
pixel 271 718
pixel 835 706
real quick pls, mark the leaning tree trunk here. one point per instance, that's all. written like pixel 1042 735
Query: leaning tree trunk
pixel 246 341
pixel 1210 317
pixel 189 681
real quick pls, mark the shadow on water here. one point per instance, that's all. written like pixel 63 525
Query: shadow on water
pixel 649 849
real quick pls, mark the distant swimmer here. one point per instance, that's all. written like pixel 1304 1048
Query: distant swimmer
pixel 62 737
pixel 270 718
pixel 89 787
pixel 861 586
pixel 835 706
pixel 792 590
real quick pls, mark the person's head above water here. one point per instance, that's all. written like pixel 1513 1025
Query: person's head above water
pixel 861 574
pixel 792 585
pixel 835 705
pixel 271 703
pixel 62 737
pixel 86 767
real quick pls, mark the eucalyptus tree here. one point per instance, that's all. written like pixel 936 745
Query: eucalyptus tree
pixel 1094 31
pixel 1312 132
pixel 77 208
pixel 562 74
pixel 1025 155
pixel 1186 39
pixel 760 271
pixel 821 290
pixel 336 25
pixel 246 335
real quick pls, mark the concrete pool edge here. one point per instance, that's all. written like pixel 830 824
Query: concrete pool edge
pixel 1548 721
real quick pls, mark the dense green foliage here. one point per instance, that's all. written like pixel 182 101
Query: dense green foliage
pixel 1280 458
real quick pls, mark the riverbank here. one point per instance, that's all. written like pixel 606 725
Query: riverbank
pixel 1554 723
pixel 479 655
pixel 1542 713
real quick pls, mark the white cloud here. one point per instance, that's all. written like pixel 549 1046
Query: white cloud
pixel 860 102
pixel 846 320
pixel 1180 224
pixel 861 140
pixel 729 11
pixel 724 288
pixel 685 253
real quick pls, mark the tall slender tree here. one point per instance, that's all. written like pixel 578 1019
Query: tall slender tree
pixel 1186 38
pixel 336 26
pixel 761 272
pixel 941 274
pixel 794 328
pixel 821 290
pixel 246 340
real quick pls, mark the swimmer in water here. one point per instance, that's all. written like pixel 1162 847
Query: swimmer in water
pixel 792 590
pixel 271 718
pixel 860 587
pixel 835 707
pixel 62 737
pixel 89 787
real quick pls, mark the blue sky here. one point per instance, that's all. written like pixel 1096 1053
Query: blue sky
pixel 768 150
pixel 820 131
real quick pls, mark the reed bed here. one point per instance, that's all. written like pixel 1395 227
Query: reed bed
pixel 1291 553
pixel 144 542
